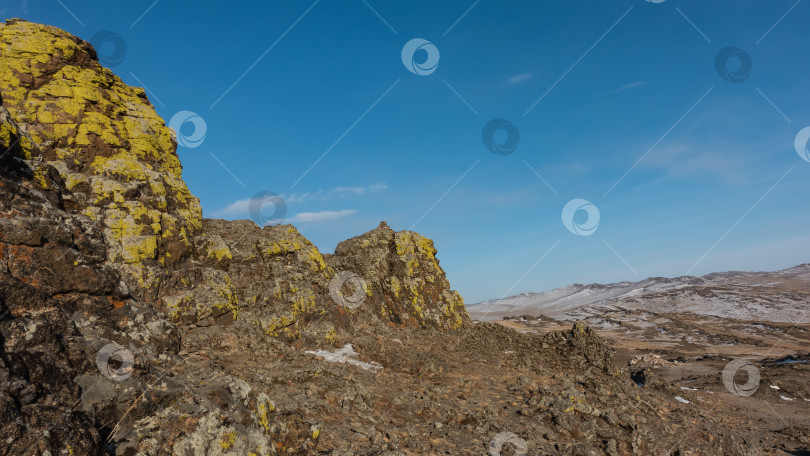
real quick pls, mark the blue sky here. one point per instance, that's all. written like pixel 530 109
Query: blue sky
pixel 592 87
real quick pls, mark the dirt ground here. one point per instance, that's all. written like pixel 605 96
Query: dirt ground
pixel 691 352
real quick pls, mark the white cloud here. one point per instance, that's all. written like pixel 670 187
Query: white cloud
pixel 242 207
pixel 322 216
pixel 632 85
pixel 238 208
pixel 518 78
pixel 336 192
pixel 360 190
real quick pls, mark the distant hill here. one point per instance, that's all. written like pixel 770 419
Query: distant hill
pixel 780 296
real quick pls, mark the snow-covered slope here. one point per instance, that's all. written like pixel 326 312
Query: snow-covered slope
pixel 781 296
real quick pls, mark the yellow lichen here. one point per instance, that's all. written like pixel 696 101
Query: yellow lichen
pixel 73 106
pixel 280 246
pixel 315 259
pixel 395 286
pixel 123 166
pixel 230 303
pixel 219 251
pixel 228 439
pixel 275 324
pixel 303 304
pixel 266 406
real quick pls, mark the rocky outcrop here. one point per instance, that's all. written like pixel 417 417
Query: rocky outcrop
pixel 287 288
pixel 60 302
pixel 103 251
pixel 119 164
pixel 279 277
pixel 404 283
pixel 115 154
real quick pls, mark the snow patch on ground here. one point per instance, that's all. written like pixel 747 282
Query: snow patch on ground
pixel 681 400
pixel 344 355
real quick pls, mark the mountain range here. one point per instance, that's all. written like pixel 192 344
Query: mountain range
pixel 780 296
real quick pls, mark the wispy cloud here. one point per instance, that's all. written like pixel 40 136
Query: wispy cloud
pixel 237 208
pixel 335 193
pixel 688 159
pixel 241 208
pixel 632 85
pixel 518 78
pixel 322 216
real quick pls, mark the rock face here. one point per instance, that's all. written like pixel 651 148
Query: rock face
pixel 115 154
pixel 131 326
pixel 60 302
pixel 404 282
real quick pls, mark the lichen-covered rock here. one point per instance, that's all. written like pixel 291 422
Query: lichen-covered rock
pixel 280 279
pixel 60 300
pixel 114 153
pixel 282 282
pixel 118 161
pixel 404 282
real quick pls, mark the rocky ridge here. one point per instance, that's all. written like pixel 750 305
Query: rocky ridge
pixel 96 214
